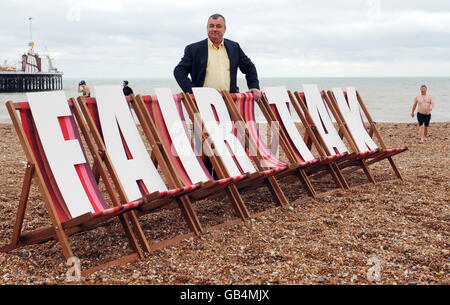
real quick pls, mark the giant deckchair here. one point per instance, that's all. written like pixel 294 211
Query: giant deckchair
pixel 90 109
pixel 241 108
pixel 57 162
pixel 177 158
pixel 112 128
pixel 275 107
pixel 349 110
pixel 212 124
pixel 318 117
pixel 167 126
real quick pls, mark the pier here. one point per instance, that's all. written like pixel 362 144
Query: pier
pixel 28 82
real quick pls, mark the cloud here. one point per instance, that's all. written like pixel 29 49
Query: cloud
pixel 98 38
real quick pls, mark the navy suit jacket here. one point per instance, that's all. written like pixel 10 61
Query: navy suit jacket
pixel 195 60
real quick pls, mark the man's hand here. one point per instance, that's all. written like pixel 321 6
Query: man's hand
pixel 412 114
pixel 256 93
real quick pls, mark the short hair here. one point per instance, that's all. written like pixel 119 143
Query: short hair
pixel 217 16
pixel 423 86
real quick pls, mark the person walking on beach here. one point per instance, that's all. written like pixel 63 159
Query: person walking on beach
pixel 126 89
pixel 82 88
pixel 425 104
pixel 213 62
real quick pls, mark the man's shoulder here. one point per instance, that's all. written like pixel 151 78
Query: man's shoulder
pixel 197 44
pixel 231 43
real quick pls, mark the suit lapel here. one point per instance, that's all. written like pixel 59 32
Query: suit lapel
pixel 229 52
pixel 202 60
pixel 204 53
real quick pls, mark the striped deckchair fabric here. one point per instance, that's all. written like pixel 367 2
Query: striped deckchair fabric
pixel 91 104
pixel 349 110
pixel 275 105
pixel 183 164
pixel 123 149
pixel 178 147
pixel 186 176
pixel 212 110
pixel 245 106
pixel 168 163
pixel 320 119
pixel 71 195
pixel 223 147
pixel 70 132
pixel 167 126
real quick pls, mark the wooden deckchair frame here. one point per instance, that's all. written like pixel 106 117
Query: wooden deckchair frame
pixel 295 169
pixel 353 159
pixel 162 152
pixel 60 231
pixel 255 179
pixel 372 130
pixel 91 132
pixel 318 169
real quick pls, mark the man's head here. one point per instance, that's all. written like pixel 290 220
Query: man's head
pixel 423 89
pixel 216 28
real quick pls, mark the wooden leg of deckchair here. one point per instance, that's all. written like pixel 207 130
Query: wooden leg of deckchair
pixel 61 236
pixel 334 175
pixel 189 215
pixel 124 259
pixel 337 171
pixel 366 170
pixel 96 172
pixel 130 235
pixel 306 183
pixel 276 191
pixel 394 167
pixel 22 204
pixel 238 203
pixel 154 160
pixel 139 232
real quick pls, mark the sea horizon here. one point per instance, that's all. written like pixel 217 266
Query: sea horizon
pixel 388 99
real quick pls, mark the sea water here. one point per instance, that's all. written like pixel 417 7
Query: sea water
pixel 387 99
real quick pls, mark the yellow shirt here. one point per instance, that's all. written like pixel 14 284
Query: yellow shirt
pixel 217 68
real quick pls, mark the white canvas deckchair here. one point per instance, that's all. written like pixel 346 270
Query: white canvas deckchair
pixel 349 111
pixel 210 115
pixel 275 105
pixel 117 138
pixel 59 165
pixel 319 119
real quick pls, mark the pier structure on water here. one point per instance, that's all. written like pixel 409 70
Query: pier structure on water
pixel 29 82
pixel 35 73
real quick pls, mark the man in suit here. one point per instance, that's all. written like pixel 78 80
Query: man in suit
pixel 213 62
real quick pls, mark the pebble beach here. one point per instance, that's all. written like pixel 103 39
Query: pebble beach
pixel 400 227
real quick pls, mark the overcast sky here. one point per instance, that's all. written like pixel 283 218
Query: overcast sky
pixel 131 38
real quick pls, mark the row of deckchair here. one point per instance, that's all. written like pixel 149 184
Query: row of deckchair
pixel 171 173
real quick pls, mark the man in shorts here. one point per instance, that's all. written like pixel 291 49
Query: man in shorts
pixel 425 104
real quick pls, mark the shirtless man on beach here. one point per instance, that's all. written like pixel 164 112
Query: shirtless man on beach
pixel 425 104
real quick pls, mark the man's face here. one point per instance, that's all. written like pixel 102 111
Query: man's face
pixel 216 29
pixel 423 90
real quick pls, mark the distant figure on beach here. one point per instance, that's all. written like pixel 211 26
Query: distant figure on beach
pixel 425 104
pixel 82 88
pixel 213 62
pixel 127 89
